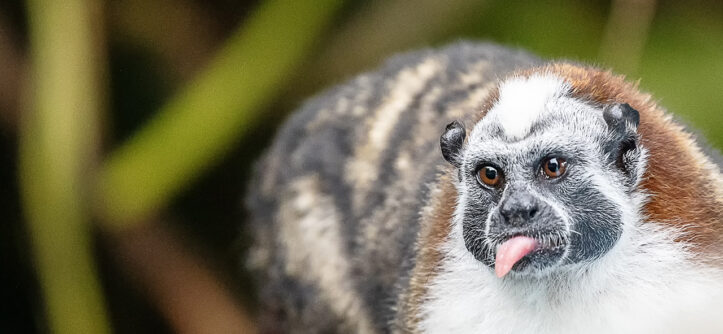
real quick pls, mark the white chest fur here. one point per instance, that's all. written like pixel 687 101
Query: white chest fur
pixel 646 284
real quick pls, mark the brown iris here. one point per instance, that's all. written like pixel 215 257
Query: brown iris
pixel 554 167
pixel 489 176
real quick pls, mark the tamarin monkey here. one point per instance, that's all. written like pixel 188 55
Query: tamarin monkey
pixel 478 189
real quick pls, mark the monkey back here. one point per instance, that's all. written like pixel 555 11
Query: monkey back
pixel 335 202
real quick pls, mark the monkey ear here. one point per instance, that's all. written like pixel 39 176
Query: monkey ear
pixel 621 116
pixel 623 140
pixel 451 142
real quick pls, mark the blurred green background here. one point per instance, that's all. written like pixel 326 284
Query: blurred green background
pixel 128 129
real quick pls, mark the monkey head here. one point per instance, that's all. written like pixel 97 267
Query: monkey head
pixel 546 180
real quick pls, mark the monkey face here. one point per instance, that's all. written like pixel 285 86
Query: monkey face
pixel 556 196
pixel 562 219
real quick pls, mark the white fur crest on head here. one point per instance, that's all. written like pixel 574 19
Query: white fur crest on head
pixel 522 100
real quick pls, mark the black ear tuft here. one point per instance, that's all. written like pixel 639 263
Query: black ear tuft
pixel 451 142
pixel 623 140
pixel 619 114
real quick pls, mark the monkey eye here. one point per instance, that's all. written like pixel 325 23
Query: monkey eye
pixel 554 167
pixel 489 175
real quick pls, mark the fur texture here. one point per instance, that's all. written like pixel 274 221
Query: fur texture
pixel 362 226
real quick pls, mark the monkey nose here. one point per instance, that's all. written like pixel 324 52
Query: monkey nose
pixel 519 209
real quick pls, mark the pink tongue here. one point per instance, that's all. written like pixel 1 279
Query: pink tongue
pixel 512 251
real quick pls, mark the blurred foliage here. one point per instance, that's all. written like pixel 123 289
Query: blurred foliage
pixel 192 103
pixel 194 129
pixel 683 65
pixel 58 140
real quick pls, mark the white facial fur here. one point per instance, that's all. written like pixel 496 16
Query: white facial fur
pixel 646 283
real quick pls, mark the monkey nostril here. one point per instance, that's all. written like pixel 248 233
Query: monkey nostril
pixel 533 212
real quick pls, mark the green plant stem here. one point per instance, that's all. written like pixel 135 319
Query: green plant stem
pixel 193 130
pixel 57 142
pixel 625 34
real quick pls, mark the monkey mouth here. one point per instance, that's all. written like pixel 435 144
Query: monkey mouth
pixel 524 251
